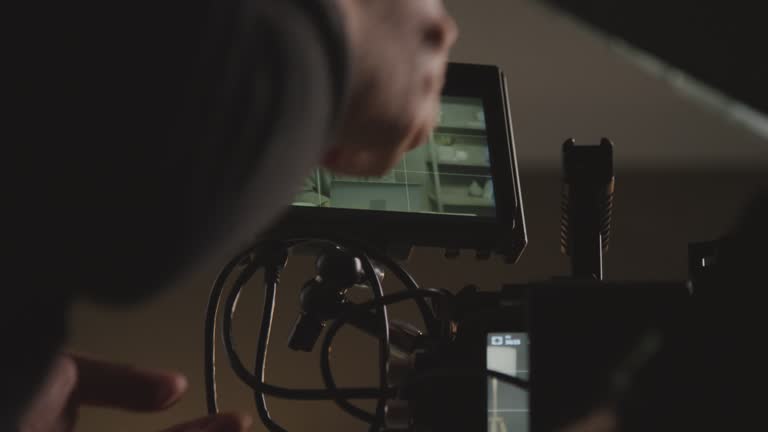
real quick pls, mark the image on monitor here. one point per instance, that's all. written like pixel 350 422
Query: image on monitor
pixel 507 353
pixel 450 174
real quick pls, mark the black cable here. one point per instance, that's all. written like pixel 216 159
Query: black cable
pixel 314 394
pixel 269 276
pixel 381 311
pixel 325 351
pixel 375 420
pixel 257 382
pixel 327 374
pixel 209 360
pixel 383 301
pixel 296 394
pixel 334 328
pixel 330 383
pixel 271 281
pixel 372 277
pixel 430 321
pixel 340 395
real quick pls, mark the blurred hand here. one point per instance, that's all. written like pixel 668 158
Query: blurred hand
pixel 601 420
pixel 399 52
pixel 75 381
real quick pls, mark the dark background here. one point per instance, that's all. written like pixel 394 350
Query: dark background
pixel 683 173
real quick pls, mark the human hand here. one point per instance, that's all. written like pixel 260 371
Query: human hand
pixel 399 51
pixel 75 381
pixel 601 420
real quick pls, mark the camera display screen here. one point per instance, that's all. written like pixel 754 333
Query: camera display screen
pixel 450 174
pixel 507 353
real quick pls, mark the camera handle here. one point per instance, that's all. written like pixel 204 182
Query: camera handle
pixel 587 206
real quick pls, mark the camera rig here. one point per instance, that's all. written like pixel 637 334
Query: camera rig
pixel 590 339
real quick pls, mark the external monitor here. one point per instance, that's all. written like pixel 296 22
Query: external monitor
pixel 459 190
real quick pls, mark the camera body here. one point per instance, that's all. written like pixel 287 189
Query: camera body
pixel 578 343
pixel 469 320
pixel 536 325
pixel 531 357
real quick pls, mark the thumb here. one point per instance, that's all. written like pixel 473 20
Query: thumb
pixel 52 409
pixel 112 385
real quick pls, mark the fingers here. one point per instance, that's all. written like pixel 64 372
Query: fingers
pixel 600 421
pixel 441 33
pixel 440 30
pixel 218 423
pixel 127 387
pixel 401 64
pixel 383 152
pixel 51 409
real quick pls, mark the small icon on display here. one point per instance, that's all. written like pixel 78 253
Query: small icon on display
pixel 507 340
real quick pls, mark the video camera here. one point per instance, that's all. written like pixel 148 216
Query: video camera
pixel 532 357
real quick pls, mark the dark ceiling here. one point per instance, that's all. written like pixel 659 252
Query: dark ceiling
pixel 723 44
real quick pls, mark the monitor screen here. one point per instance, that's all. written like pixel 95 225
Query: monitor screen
pixel 507 353
pixel 450 174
